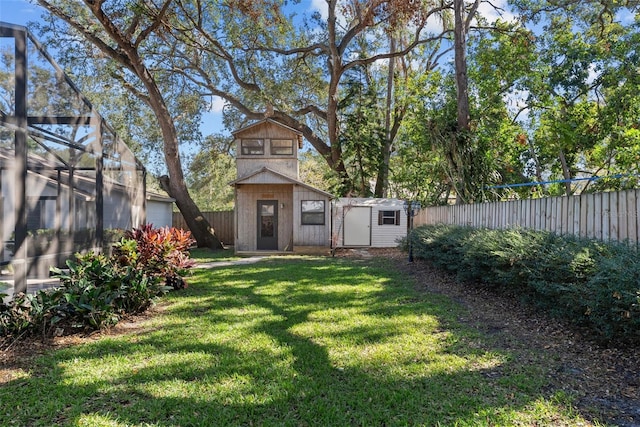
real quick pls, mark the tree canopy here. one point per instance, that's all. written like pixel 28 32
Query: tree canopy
pixel 432 100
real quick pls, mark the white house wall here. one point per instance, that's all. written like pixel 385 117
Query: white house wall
pixel 160 214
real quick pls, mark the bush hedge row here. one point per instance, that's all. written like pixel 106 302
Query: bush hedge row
pixel 97 290
pixel 591 283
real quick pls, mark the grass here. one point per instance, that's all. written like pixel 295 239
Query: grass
pixel 207 255
pixel 289 341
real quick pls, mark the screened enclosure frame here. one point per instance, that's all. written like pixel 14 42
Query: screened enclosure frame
pixel 66 178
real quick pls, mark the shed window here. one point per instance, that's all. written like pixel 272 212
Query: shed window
pixel 313 212
pixel 389 217
pixel 282 147
pixel 252 147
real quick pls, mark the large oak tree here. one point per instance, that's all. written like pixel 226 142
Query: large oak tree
pixel 131 33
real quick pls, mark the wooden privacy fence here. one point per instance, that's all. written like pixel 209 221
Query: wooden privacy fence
pixel 222 222
pixel 603 216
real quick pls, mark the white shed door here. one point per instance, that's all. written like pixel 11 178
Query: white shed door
pixel 357 226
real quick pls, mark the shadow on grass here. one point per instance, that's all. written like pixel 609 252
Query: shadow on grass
pixel 288 342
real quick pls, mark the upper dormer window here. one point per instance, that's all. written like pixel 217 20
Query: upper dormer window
pixel 252 147
pixel 282 147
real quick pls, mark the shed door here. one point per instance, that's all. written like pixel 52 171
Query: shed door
pixel 267 225
pixel 357 226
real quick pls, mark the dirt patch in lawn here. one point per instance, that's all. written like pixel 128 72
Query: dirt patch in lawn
pixel 605 381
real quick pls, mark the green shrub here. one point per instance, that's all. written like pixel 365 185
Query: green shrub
pixel 97 290
pixel 586 281
pixel 16 316
pixel 614 305
pixel 160 252
pixel 442 245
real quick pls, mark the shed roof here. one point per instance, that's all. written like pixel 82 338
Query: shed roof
pixel 263 121
pixel 369 201
pixel 275 178
pixel 157 197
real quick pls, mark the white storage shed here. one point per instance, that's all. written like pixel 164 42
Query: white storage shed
pixel 367 222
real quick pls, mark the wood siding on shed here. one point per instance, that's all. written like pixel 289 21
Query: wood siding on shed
pixel 285 164
pixel 311 235
pixel 247 197
pixel 267 179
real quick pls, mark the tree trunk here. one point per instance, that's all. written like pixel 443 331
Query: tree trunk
pixel 566 173
pixel 460 50
pixel 175 184
pixel 462 98
pixel 382 181
pixel 177 188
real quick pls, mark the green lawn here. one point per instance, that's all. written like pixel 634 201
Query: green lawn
pixel 207 255
pixel 289 341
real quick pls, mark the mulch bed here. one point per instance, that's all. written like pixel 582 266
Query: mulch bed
pixel 605 381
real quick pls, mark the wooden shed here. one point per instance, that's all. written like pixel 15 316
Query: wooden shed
pixel 368 222
pixel 274 210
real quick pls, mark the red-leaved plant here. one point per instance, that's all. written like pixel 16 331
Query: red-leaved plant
pixel 160 252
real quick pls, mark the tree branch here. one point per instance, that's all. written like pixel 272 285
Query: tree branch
pixel 154 25
pixel 86 33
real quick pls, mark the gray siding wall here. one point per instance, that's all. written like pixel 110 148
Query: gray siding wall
pixel 310 235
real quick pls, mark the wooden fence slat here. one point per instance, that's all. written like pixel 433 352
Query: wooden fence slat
pixel 637 217
pixel 587 209
pixel 614 216
pixel 621 218
pixel 558 215
pixel 577 214
pixel 597 215
pixel 222 222
pixel 524 215
pixel 632 214
pixel 605 216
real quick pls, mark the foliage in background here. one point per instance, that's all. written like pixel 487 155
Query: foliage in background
pixel 582 93
pixel 97 290
pixel 210 171
pixel 313 170
pixel 588 282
